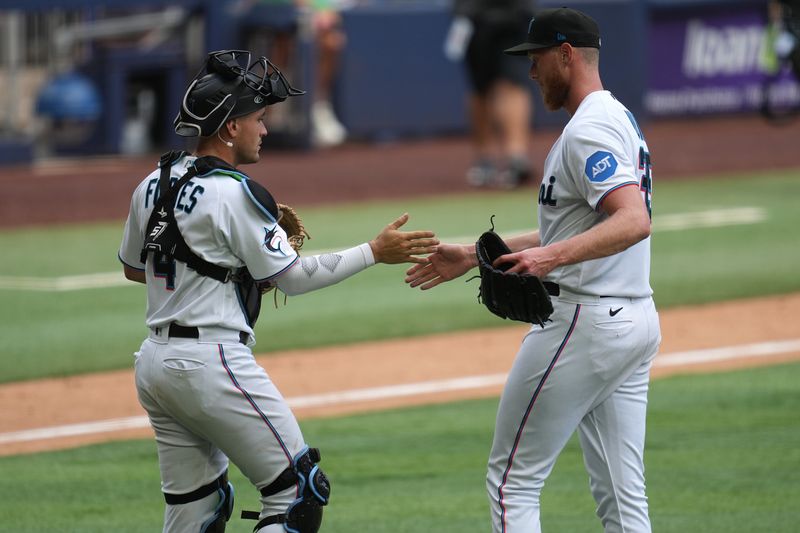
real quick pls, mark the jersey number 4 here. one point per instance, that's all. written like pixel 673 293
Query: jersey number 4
pixel 646 184
pixel 164 267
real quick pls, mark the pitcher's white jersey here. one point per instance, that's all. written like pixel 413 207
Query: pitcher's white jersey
pixel 222 225
pixel 600 150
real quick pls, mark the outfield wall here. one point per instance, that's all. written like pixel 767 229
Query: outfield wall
pixel 662 58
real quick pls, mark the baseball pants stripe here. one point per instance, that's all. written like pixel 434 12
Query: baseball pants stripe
pixel 249 399
pixel 528 412
pixel 595 383
pixel 199 393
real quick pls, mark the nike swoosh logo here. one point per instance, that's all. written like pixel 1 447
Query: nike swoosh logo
pixel 613 312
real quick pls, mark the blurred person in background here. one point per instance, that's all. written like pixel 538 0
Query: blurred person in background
pixel 780 51
pixel 330 40
pixel 784 34
pixel 499 102
pixel 325 21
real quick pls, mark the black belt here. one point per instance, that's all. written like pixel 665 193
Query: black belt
pixel 191 332
pixel 552 289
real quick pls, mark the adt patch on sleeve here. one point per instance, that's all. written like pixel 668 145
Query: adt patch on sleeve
pixel 600 166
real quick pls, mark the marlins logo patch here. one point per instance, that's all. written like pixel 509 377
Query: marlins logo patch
pixel 600 166
pixel 272 240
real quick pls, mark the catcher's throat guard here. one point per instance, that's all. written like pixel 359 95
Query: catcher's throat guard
pixel 521 297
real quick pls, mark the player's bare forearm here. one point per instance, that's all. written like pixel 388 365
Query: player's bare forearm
pixel 627 224
pixel 449 262
pixel 392 246
pixel 619 232
pixel 132 274
pixel 524 241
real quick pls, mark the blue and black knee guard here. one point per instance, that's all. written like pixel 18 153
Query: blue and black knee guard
pixel 224 509
pixel 304 515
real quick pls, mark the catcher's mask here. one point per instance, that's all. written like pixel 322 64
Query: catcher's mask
pixel 229 86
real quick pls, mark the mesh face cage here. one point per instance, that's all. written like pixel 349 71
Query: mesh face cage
pixel 228 86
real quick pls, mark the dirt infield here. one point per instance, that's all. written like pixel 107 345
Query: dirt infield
pixel 379 368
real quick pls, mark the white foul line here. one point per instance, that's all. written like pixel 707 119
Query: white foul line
pixel 65 283
pixel 712 218
pixel 692 357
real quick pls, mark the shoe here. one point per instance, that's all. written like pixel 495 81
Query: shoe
pixel 516 173
pixel 326 130
pixel 481 173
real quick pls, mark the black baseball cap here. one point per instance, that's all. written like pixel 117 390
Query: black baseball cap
pixel 551 27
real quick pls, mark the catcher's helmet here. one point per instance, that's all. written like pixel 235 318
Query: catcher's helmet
pixel 229 86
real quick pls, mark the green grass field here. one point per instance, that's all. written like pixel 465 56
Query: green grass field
pixel 69 332
pixel 721 457
pixel 722 451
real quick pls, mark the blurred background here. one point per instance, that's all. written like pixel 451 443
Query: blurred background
pixel 105 77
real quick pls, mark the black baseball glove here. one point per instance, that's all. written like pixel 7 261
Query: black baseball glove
pixel 520 297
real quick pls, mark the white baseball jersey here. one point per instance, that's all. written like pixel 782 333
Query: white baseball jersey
pixel 222 225
pixel 600 150
pixel 588 367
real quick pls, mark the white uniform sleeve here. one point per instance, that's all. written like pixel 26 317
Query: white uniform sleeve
pixel 255 237
pixel 318 271
pixel 599 158
pixel 133 234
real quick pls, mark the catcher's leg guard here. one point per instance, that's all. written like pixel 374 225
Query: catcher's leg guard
pixel 224 509
pixel 304 515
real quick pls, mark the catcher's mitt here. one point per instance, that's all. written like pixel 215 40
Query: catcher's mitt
pixel 291 223
pixel 520 297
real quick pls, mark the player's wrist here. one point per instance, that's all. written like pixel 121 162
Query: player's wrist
pixel 558 255
pixel 375 249
pixel 471 255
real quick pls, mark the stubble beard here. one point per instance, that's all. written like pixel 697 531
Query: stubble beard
pixel 251 156
pixel 554 93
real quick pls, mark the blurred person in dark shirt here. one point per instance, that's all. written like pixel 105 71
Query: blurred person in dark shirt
pixel 499 102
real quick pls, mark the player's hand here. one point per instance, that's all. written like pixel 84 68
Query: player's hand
pixel 393 246
pixel 534 261
pixel 449 262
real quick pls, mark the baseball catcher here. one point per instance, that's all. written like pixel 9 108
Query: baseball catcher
pixel 206 240
pixel 520 297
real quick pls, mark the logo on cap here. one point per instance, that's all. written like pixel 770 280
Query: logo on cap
pixel 258 99
pixel 561 37
pixel 530 24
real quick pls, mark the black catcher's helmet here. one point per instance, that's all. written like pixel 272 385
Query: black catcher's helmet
pixel 229 86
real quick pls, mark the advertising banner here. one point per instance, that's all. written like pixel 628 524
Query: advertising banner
pixel 705 61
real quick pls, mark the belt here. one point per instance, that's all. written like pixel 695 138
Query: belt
pixel 191 332
pixel 552 289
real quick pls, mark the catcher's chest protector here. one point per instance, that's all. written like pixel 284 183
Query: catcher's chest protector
pixel 164 239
